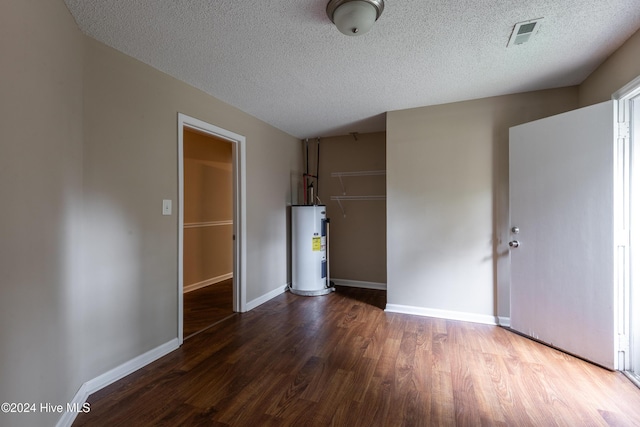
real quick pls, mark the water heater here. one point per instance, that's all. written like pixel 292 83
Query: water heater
pixel 309 254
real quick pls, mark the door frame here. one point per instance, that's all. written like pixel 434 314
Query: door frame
pixel 628 326
pixel 238 143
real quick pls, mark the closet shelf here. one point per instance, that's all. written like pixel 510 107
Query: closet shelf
pixel 339 199
pixel 339 175
pixel 358 173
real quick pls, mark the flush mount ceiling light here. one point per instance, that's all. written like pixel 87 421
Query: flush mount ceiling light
pixel 354 17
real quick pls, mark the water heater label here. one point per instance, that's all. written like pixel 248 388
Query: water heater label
pixel 316 244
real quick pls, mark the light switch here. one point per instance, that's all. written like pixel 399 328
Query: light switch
pixel 166 207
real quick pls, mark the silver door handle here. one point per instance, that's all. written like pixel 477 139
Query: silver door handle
pixel 514 243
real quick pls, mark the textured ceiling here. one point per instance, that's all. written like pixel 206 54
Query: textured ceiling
pixel 285 63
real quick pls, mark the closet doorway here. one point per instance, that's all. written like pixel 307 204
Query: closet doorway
pixel 210 225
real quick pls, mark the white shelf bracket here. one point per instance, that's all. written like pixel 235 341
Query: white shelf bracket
pixel 344 214
pixel 344 191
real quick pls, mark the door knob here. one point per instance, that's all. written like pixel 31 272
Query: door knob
pixel 514 244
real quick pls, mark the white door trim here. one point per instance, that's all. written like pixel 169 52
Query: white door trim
pixel 628 91
pixel 239 210
pixel 628 325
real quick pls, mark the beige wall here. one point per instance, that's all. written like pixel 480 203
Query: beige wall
pixel 618 70
pixel 447 200
pixel 357 240
pixel 41 216
pixel 89 151
pixel 131 127
pixel 208 198
pixel 447 190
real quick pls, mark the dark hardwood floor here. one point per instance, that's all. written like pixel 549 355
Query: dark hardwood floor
pixel 341 360
pixel 207 306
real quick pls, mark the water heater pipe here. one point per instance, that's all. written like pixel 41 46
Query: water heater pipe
pixel 317 171
pixel 328 284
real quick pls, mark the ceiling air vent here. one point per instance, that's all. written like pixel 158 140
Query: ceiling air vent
pixel 523 31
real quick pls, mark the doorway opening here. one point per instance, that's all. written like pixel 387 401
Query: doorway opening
pixel 628 137
pixel 211 224
pixel 208 231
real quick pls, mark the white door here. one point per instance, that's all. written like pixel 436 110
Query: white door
pixel 561 178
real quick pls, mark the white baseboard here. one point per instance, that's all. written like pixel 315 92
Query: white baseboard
pixel 266 297
pixel 504 321
pixel 114 375
pixel 360 284
pixel 632 377
pixel 205 283
pixel 442 314
pixel 67 419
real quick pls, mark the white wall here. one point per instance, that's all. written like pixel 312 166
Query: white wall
pixel 447 203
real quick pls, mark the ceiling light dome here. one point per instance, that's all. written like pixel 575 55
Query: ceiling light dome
pixel 354 17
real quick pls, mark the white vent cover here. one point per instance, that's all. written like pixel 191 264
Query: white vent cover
pixel 523 31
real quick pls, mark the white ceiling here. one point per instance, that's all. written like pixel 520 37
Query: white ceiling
pixel 285 63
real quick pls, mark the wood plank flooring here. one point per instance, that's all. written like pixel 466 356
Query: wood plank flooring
pixel 207 306
pixel 341 360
